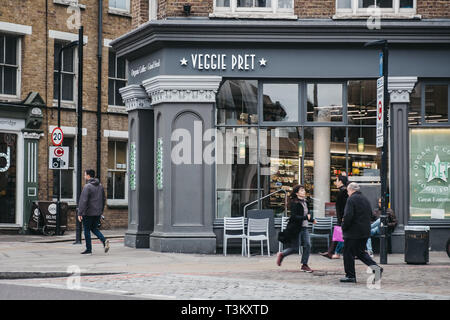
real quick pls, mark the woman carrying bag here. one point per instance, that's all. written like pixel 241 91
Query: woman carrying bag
pixel 297 229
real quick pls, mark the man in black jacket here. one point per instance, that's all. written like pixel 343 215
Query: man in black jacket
pixel 341 200
pixel 90 208
pixel 356 231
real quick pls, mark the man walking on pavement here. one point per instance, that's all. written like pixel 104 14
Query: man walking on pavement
pixel 90 209
pixel 356 231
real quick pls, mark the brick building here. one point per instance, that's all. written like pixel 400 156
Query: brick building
pixel 30 33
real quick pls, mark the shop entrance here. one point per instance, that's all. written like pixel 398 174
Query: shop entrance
pixel 8 177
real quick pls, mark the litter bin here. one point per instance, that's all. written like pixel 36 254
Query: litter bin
pixel 417 243
pixel 43 217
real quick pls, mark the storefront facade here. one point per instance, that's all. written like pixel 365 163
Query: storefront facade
pixel 19 144
pixel 224 114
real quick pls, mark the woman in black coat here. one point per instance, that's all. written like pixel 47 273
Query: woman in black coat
pixel 297 229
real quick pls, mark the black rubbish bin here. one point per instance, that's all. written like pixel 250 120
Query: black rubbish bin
pixel 417 243
pixel 43 217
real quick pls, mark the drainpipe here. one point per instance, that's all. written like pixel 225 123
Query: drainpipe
pixel 99 86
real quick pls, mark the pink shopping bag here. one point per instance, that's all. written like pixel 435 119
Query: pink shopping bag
pixel 337 234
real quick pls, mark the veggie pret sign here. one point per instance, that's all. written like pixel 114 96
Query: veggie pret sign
pixel 429 173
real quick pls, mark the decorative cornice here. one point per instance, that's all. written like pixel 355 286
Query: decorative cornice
pixel 400 88
pixel 182 88
pixel 135 97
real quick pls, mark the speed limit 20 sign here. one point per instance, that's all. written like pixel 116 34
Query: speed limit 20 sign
pixel 57 136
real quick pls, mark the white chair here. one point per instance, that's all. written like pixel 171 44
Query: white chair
pixel 234 224
pixel 258 226
pixel 284 222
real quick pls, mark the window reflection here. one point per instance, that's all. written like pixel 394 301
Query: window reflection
pixel 362 102
pixel 237 102
pixel 324 102
pixel 280 102
pixel 436 103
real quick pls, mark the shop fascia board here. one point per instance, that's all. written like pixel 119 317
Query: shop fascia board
pixel 154 34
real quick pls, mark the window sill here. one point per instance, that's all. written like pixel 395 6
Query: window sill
pixel 365 16
pixel 117 203
pixel 69 3
pixel 254 15
pixel 119 12
pixel 65 104
pixel 117 109
pixel 9 98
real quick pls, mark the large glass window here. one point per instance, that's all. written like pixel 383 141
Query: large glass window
pixel 117 169
pixel 280 102
pixel 67 73
pixel 237 102
pixel 362 102
pixel 8 177
pixel 415 106
pixel 436 103
pixel 116 79
pixel 429 173
pixel 9 65
pixel 324 102
pixel 67 175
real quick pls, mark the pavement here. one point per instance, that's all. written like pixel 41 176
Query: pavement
pixel 55 262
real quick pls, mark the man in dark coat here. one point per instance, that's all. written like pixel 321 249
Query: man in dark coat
pixel 90 208
pixel 356 231
pixel 341 200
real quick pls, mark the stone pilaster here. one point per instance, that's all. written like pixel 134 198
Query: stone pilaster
pixel 399 89
pixel 184 198
pixel 140 166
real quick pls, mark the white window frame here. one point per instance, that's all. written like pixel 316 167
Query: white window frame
pixel 16 97
pixel 69 103
pixel 118 136
pixel 385 12
pixel 113 106
pixel 272 12
pixel 119 10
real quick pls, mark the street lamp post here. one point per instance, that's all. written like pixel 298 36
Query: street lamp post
pixel 384 156
pixel 58 203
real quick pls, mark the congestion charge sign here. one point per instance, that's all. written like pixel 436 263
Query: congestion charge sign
pixel 221 61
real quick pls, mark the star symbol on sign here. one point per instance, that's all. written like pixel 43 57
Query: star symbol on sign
pixel 262 62
pixel 183 62
pixel 437 170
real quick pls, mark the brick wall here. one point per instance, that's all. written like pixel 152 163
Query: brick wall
pixel 37 75
pixel 433 9
pixel 139 12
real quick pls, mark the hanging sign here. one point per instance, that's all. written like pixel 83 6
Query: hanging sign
pixel 380 111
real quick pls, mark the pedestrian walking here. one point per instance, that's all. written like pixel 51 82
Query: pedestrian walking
pixel 296 232
pixel 356 231
pixel 335 248
pixel 90 209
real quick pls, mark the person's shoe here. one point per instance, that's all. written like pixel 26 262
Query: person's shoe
pixel 86 252
pixel 380 273
pixel 336 256
pixel 106 245
pixel 305 268
pixel 325 254
pixel 279 258
pixel 346 279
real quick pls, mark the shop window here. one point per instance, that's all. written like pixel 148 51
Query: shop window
pixel 415 106
pixel 9 65
pixel 123 5
pixel 280 102
pixel 245 7
pixel 362 102
pixel 324 102
pixel 237 103
pixel 236 170
pixel 67 73
pixel 364 157
pixel 429 173
pixel 436 103
pixel 8 177
pixel 116 79
pixel 117 170
pixel 68 175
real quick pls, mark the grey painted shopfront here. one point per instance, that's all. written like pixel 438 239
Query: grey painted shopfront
pixel 306 91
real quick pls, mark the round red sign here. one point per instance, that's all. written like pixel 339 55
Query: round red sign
pixel 57 136
pixel 380 110
pixel 59 152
